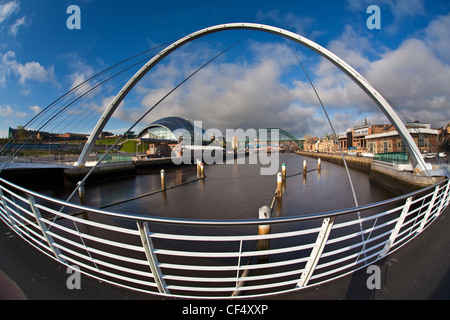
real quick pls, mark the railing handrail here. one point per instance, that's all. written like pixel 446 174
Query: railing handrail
pixel 221 222
pixel 156 256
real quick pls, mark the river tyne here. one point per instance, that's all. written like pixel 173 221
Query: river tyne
pixel 232 191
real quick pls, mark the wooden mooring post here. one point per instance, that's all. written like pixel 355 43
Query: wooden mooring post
pixel 163 179
pixel 279 185
pixel 263 229
pixel 82 193
pixel 198 168
pixel 202 170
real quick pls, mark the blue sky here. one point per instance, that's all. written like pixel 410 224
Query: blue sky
pixel 256 84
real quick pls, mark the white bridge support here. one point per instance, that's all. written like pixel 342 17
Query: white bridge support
pixel 418 161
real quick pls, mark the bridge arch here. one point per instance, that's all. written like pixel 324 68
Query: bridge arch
pixel 282 131
pixel 381 102
pixel 287 134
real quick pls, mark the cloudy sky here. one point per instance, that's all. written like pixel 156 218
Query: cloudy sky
pixel 258 83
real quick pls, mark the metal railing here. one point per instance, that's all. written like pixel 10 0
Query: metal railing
pixel 217 258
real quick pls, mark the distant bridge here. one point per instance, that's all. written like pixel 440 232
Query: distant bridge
pixel 291 137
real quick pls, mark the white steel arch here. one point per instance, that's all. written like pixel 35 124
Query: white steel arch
pixel 414 151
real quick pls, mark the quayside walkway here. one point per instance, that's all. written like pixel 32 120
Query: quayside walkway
pixel 419 270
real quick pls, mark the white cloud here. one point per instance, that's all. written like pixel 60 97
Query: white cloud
pixel 14 29
pixel 402 11
pixel 410 72
pixel 296 23
pixel 36 109
pixel 414 77
pixel 406 8
pixel 7 9
pixel 437 36
pixel 7 111
pixel 26 72
pixel 81 70
pixel 352 47
pixel 398 8
pixel 33 71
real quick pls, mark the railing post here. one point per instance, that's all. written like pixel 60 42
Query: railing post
pixel 44 230
pixel 316 252
pixel 151 257
pixel 8 212
pixel 443 199
pixel 428 212
pixel 448 194
pixel 244 274
pixel 396 229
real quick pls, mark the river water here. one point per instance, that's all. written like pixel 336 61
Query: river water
pixel 234 191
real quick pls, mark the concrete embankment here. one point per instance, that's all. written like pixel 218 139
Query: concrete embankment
pixel 384 174
pixel 116 170
pixel 27 176
pixel 358 163
pixel 56 175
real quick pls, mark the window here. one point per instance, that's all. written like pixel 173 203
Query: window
pixel 421 142
pixel 161 133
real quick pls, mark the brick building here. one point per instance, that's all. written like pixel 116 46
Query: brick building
pixel 390 141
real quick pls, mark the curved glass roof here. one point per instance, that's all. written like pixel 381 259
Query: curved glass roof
pixel 171 128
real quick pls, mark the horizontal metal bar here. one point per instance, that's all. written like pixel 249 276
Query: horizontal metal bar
pixel 233 279
pixel 107 273
pixel 137 217
pixel 89 222
pixel 342 260
pixel 100 252
pixel 38 240
pixel 97 239
pixel 366 219
pixel 103 263
pixel 198 238
pixel 231 267
pixel 232 289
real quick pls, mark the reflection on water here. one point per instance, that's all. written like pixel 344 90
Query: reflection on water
pixel 235 191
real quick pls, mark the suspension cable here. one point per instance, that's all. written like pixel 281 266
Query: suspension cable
pixel 355 199
pixel 146 113
pixel 329 121
pixel 51 116
pixel 62 97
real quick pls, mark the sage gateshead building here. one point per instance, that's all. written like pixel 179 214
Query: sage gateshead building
pixel 168 136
